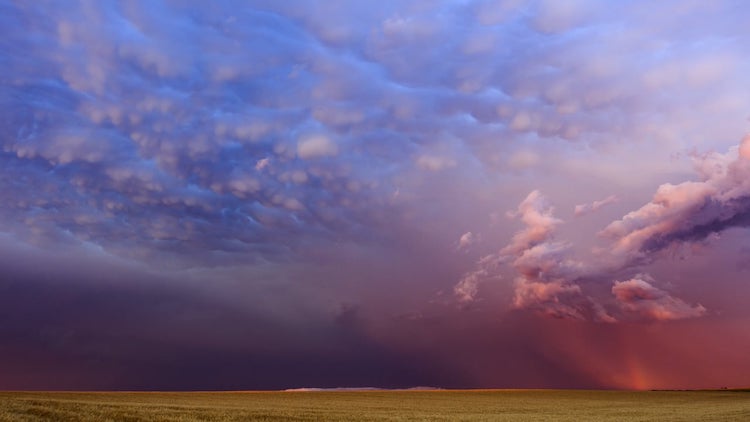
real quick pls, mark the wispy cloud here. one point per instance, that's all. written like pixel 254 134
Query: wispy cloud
pixel 689 211
pixel 584 209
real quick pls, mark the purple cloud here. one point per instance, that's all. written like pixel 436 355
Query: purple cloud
pixel 276 168
pixel 550 280
pixel 583 209
pixel 640 298
pixel 689 211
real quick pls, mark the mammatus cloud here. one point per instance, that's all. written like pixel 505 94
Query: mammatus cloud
pixel 316 146
pixel 249 131
pixel 639 299
pixel 583 209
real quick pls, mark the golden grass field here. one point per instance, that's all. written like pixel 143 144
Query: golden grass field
pixel 440 405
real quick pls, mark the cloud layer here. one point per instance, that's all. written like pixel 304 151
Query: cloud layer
pixel 259 169
pixel 165 109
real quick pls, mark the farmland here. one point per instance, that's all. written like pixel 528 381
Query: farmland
pixel 434 405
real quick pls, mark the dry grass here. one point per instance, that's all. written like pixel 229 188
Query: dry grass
pixel 488 405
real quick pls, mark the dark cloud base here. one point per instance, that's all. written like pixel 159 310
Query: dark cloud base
pixel 125 330
pixel 74 334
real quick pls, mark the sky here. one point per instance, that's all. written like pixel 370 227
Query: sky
pixel 459 194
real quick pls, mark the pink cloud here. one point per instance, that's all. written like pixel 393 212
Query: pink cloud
pixel 545 273
pixel 316 146
pixel 689 211
pixel 584 209
pixel 545 297
pixel 467 239
pixel 467 289
pixel 639 298
pixel 540 223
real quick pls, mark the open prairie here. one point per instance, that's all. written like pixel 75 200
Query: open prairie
pixel 440 405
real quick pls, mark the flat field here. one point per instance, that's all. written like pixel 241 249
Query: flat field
pixel 440 405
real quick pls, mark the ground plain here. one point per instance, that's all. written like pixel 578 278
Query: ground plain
pixel 439 405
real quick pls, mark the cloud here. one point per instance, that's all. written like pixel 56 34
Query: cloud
pixel 559 16
pixel 546 280
pixel 552 283
pixel 330 152
pixel 547 298
pixel 467 289
pixel 156 119
pixel 262 163
pixel 689 211
pixel 639 299
pixel 434 162
pixel 316 146
pixel 584 209
pixel 467 239
pixel 536 214
pixel 546 275
pixel 166 109
pixel 523 159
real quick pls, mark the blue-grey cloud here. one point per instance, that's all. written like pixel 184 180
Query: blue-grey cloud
pixel 156 115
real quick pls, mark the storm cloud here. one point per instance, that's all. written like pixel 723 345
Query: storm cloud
pixel 334 187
